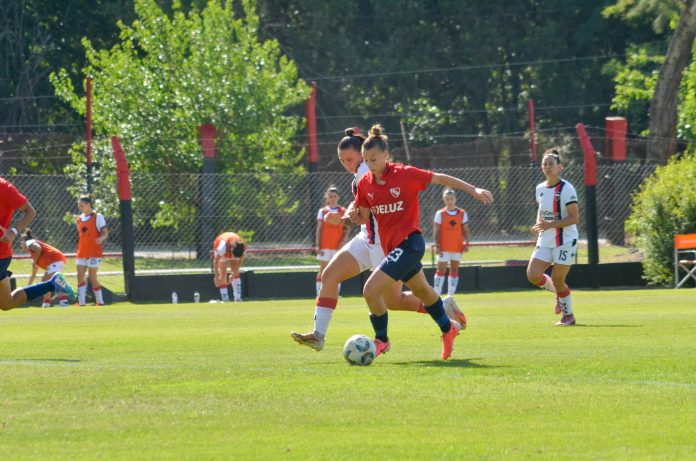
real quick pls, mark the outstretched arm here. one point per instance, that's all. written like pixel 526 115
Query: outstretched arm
pixel 482 195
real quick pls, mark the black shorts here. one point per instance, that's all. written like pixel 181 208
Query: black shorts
pixel 4 264
pixel 404 261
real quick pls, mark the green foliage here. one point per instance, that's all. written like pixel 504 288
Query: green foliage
pixel 664 206
pixel 168 75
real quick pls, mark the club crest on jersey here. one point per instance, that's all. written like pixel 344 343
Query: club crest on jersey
pixel 395 191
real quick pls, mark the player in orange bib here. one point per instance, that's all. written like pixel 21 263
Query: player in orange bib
pixel 92 232
pixel 46 257
pixel 228 252
pixel 331 233
pixel 451 237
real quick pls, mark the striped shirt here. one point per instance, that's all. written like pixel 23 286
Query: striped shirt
pixel 553 203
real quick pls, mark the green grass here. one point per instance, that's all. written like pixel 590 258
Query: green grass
pixel 225 381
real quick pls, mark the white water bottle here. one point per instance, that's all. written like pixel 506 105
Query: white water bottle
pixel 196 297
pixel 175 297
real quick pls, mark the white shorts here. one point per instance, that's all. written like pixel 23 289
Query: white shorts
pixel 55 267
pixel 564 254
pixel 447 256
pixel 368 255
pixel 89 262
pixel 326 255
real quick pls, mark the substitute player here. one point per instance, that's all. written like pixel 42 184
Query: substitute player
pixel 363 252
pixel 390 193
pixel 451 237
pixel 12 200
pixel 46 257
pixel 92 232
pixel 228 253
pixel 330 236
pixel 557 235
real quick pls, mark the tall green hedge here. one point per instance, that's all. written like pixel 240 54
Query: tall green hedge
pixel 665 205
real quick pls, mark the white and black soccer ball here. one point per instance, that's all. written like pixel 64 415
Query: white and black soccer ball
pixel 359 350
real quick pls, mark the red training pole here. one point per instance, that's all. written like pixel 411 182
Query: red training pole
pixel 126 208
pixel 310 110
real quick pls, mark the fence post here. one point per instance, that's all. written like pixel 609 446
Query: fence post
pixel 590 170
pixel 206 233
pixel 124 195
pixel 88 111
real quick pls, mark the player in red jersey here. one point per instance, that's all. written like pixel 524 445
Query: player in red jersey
pixel 390 192
pixel 363 252
pixel 331 233
pixel 46 257
pixel 12 200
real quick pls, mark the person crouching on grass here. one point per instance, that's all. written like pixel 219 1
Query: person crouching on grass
pixel 390 192
pixel 451 237
pixel 10 201
pixel 46 257
pixel 557 235
pixel 228 253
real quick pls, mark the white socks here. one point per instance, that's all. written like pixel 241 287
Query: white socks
pixel 224 294
pixel 322 318
pixel 439 282
pixel 237 288
pixel 452 283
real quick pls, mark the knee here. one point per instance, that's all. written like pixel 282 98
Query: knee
pixel 533 277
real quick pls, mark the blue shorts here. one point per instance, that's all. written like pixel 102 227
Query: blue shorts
pixel 4 264
pixel 404 261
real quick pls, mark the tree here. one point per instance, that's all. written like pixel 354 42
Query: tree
pixel 168 75
pixel 663 109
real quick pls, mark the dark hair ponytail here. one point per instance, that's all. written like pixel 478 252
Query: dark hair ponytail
pixel 27 234
pixel 353 139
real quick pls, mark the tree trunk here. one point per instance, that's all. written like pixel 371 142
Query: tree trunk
pixel 663 107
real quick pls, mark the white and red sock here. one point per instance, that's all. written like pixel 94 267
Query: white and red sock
pixel 421 309
pixel 323 313
pixel 565 302
pixel 546 283
pixel 318 284
pixel 439 282
pixel 82 293
pixel 452 283
pixel 47 299
pixel 63 300
pixel 98 295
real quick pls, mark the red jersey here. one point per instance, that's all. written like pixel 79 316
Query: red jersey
pixel 10 200
pixel 394 204
pixel 49 254
pixel 230 239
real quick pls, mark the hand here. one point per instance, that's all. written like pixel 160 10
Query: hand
pixel 8 235
pixel 99 240
pixel 483 195
pixel 466 247
pixel 541 227
pixel 353 215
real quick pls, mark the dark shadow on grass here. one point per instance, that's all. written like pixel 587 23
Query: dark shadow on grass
pixel 452 363
pixel 582 325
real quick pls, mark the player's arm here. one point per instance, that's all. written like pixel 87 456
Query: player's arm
pixel 362 216
pixel 29 213
pixel 436 237
pixel 351 214
pixel 317 238
pixel 482 195
pixel 103 235
pixel 465 236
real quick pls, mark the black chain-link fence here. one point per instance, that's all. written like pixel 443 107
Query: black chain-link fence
pixel 176 216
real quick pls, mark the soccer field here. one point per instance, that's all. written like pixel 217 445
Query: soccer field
pixel 225 381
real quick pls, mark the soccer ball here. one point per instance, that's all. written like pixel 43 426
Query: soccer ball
pixel 359 350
